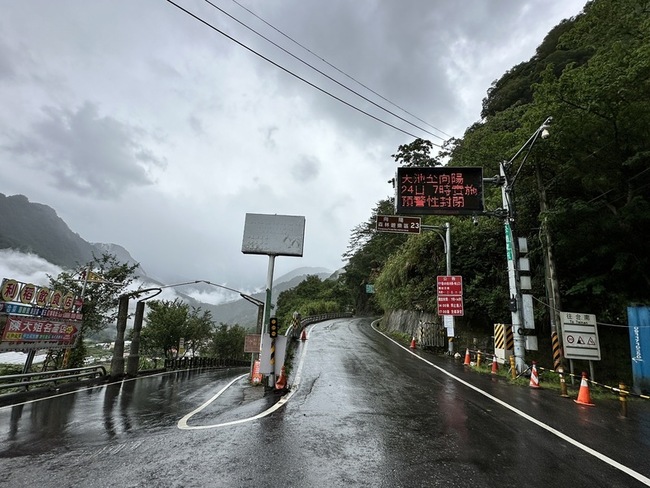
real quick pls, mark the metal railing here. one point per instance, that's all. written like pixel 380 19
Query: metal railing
pixel 294 332
pixel 203 362
pixel 25 380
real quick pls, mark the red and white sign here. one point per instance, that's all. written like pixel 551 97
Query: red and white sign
pixel 450 295
pixel 37 331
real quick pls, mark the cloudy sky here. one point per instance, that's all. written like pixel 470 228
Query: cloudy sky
pixel 144 126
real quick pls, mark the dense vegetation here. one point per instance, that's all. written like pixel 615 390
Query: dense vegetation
pixel 586 187
pixel 312 296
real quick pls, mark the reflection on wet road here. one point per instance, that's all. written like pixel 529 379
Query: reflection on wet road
pixel 367 413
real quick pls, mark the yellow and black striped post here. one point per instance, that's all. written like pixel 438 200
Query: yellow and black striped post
pixel 557 350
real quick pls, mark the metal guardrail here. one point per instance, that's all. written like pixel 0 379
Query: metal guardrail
pixel 28 379
pixel 203 362
pixel 294 332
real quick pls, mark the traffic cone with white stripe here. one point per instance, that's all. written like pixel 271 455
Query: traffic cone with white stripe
pixel 468 359
pixel 303 336
pixel 534 379
pixel 495 365
pixel 413 345
pixel 583 394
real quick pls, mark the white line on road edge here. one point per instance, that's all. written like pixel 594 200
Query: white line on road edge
pixel 561 435
pixel 182 423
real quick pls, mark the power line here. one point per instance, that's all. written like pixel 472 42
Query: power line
pixel 339 70
pixel 321 72
pixel 291 72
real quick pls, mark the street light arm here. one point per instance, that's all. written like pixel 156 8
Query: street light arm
pixel 254 301
pixel 530 140
pixel 437 229
pixel 249 298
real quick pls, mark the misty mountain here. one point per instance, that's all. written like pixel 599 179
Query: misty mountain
pixel 36 228
pixel 244 313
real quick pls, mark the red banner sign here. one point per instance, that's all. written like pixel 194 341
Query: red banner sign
pixel 31 333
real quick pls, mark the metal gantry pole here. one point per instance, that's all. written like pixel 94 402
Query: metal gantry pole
pixel 450 339
pixel 446 240
pixel 267 311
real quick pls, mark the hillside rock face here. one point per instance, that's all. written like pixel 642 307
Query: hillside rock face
pixel 36 228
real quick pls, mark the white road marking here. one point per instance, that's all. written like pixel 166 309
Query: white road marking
pixel 561 435
pixel 182 423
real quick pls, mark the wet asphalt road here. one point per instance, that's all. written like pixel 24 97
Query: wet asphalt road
pixel 365 412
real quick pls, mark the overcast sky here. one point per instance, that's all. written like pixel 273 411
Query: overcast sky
pixel 142 126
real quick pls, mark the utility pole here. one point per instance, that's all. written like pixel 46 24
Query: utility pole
pixel 552 286
pixel 512 252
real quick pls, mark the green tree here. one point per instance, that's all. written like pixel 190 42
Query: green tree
pixel 416 154
pixel 366 254
pixel 228 342
pixel 312 296
pixel 100 297
pixel 199 329
pixel 165 326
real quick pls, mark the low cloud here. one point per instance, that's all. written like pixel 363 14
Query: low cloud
pixel 86 153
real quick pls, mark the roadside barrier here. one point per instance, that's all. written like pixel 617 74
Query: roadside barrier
pixel 295 330
pixel 583 394
pixel 281 383
pixel 620 389
pixel 534 378
pixel 203 362
pixel 563 391
pixel 25 380
pixel 468 359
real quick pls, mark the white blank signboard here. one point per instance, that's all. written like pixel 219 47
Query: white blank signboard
pixel 275 235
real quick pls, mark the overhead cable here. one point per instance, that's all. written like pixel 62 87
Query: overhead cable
pixel 321 72
pixel 286 70
pixel 339 70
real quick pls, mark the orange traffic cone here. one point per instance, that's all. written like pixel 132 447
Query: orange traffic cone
pixel 583 394
pixel 303 336
pixel 281 383
pixel 534 379
pixel 468 360
pixel 413 346
pixel 495 365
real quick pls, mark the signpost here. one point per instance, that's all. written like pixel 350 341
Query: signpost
pixel 580 338
pixel 252 343
pixel 398 224
pixel 35 317
pixel 450 295
pixel 273 235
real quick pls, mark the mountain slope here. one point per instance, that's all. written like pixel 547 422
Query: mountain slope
pixel 36 228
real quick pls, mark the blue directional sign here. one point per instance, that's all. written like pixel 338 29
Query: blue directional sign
pixel 638 319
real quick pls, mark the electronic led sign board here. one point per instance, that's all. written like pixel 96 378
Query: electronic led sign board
pixel 439 191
